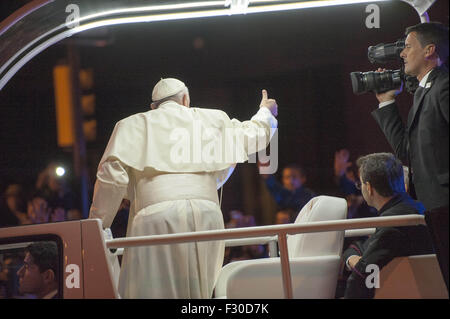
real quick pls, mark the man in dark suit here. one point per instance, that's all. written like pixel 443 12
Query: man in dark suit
pixel 382 186
pixel 423 143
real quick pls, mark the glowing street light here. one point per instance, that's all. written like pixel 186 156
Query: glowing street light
pixel 60 171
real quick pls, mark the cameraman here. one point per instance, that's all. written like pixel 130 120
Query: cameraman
pixel 423 143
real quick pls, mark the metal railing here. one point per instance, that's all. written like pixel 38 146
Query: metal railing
pixel 272 241
pixel 281 231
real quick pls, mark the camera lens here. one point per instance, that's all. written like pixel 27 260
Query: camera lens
pixel 357 82
pixel 375 81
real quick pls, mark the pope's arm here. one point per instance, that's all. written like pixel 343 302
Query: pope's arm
pixel 258 131
pixel 254 134
pixel 250 134
pixel 109 190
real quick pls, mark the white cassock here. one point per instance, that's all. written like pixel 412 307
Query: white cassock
pixel 161 161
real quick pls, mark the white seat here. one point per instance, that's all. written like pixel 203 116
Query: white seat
pixel 314 260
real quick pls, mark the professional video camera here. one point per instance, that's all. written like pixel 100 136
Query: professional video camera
pixel 380 82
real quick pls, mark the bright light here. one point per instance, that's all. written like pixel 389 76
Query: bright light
pixel 207 13
pixel 227 9
pixel 60 171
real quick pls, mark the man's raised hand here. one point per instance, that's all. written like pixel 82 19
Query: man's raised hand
pixel 271 104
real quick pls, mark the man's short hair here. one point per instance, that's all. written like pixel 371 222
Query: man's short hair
pixel 384 172
pixel 45 255
pixel 432 33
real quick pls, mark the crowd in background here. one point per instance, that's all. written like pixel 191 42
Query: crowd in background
pixel 49 200
pixel 52 200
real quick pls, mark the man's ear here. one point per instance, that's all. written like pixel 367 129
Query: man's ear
pixel 49 276
pixel 186 100
pixel 430 50
pixel 370 189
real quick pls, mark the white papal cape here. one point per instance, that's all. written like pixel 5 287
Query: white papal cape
pixel 169 163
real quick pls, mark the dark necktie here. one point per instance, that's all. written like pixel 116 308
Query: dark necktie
pixel 417 95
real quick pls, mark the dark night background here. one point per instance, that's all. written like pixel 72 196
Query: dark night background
pixel 303 58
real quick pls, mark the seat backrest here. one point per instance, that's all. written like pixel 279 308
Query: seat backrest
pixel 320 208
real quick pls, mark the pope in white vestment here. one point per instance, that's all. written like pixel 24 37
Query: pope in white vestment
pixel 169 162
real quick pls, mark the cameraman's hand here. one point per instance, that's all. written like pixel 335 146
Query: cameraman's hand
pixel 389 95
pixel 386 96
pixel 271 104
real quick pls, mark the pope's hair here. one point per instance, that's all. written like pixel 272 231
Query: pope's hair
pixel 178 98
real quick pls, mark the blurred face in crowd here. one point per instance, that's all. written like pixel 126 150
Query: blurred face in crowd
pixel 32 280
pixel 4 273
pixel 58 215
pixel 38 210
pixel 282 217
pixel 292 179
pixel 414 55
pixel 354 200
pixel 54 183
pixel 13 202
pixel 74 214
pixel 236 218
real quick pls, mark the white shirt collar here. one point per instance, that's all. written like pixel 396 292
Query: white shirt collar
pixel 424 79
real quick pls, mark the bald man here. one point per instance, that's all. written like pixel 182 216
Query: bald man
pixel 169 162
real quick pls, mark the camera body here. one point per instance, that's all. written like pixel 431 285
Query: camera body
pixel 380 82
pixel 382 53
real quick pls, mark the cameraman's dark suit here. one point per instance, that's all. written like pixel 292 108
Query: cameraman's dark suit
pixel 424 146
pixel 386 244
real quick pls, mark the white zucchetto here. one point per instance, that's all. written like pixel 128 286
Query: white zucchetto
pixel 166 87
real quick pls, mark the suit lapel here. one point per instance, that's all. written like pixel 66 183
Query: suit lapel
pixel 419 99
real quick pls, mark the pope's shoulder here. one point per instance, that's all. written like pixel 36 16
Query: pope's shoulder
pixel 133 118
pixel 137 117
pixel 211 112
